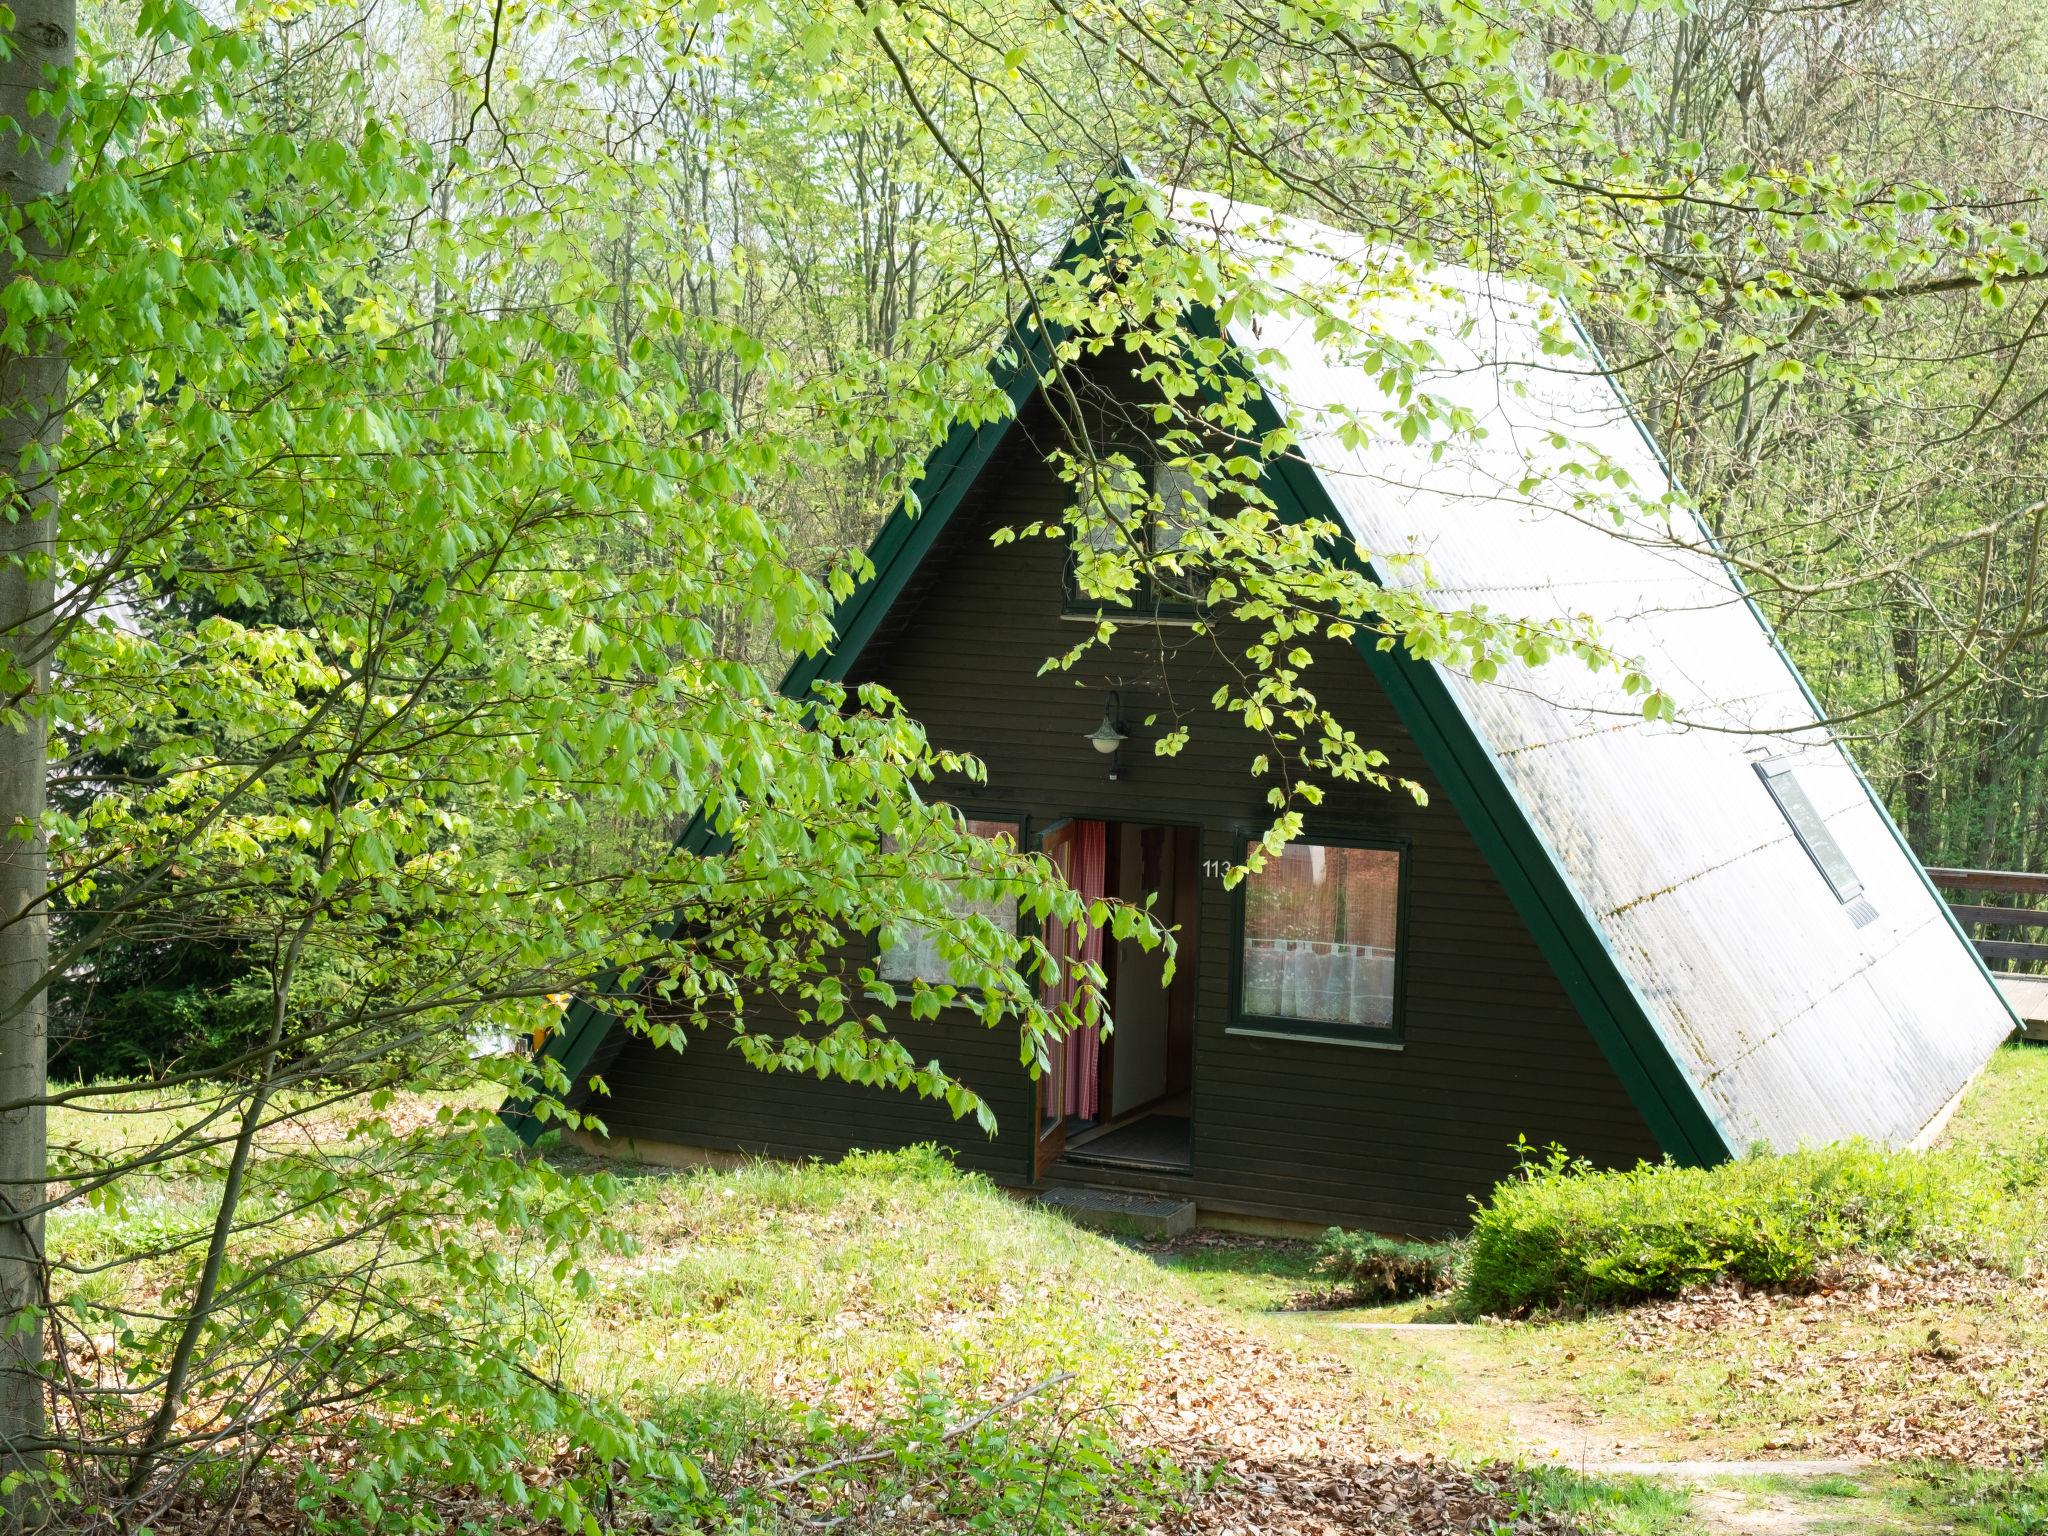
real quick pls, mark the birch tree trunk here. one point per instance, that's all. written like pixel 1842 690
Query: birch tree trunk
pixel 33 170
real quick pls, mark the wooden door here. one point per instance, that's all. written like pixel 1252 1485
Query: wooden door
pixel 1051 1141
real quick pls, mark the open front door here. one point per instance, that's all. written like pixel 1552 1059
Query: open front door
pixel 1078 849
pixel 1052 1113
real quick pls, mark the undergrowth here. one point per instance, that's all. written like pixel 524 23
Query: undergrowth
pixel 1614 1506
pixel 859 1333
pixel 1049 1465
pixel 1362 1267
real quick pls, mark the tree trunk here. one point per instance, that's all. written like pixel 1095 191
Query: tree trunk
pixel 33 170
pixel 1916 766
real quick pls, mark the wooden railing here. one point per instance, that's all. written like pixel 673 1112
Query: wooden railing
pixel 1975 916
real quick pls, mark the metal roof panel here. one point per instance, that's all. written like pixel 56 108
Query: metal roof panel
pixel 1792 1021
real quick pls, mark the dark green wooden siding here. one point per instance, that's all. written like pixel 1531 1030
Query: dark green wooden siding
pixel 1395 1139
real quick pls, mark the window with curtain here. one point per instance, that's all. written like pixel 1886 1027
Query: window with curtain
pixel 1320 939
pixel 915 954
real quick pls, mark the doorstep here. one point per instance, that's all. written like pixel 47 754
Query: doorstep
pixel 1125 1212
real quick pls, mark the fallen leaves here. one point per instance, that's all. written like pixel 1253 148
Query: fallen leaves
pixel 1389 1497
pixel 1282 1428
pixel 1894 1362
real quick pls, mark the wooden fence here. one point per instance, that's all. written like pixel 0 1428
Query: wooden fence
pixel 1979 917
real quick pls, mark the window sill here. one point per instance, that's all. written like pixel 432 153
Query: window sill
pixel 1130 617
pixel 902 1005
pixel 1358 1042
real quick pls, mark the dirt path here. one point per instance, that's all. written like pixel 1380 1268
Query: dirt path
pixel 1301 1428
pixel 1717 1415
pixel 1729 1496
pixel 1544 1429
pixel 1732 1511
pixel 1496 1408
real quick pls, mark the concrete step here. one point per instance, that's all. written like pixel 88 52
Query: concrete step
pixel 1124 1212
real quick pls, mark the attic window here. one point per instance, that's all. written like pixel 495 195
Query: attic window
pixel 1781 778
pixel 1181 503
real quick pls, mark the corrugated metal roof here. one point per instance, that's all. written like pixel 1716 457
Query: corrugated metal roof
pixel 1792 1022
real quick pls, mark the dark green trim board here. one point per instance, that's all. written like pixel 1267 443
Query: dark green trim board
pixel 907 537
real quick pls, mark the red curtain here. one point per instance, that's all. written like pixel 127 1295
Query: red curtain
pixel 1080 851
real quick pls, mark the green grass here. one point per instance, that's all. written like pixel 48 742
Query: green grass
pixel 1974 1501
pixel 1239 1273
pixel 2004 1119
pixel 99 1129
pixel 814 1311
pixel 1915 1499
pixel 1741 1390
pixel 804 1306
pixel 1613 1506
pixel 773 1285
pixel 806 1313
pixel 840 1284
pixel 1836 1485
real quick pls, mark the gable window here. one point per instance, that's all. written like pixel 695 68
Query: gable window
pixel 1781 778
pixel 1181 502
pixel 914 956
pixel 1319 942
pixel 1157 594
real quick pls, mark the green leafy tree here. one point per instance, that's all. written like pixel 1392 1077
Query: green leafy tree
pixel 1876 465
pixel 323 364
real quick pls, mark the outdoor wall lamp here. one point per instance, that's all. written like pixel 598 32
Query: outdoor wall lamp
pixel 1108 738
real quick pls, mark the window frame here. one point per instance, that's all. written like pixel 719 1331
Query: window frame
pixel 1778 772
pixel 1146 604
pixel 1026 924
pixel 1390 1036
pixel 1776 769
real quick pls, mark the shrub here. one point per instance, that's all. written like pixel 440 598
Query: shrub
pixel 1367 1268
pixel 1562 1233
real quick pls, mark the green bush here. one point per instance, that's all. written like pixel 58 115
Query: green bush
pixel 1562 1233
pixel 1367 1268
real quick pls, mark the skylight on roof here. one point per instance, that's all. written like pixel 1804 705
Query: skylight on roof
pixel 1781 778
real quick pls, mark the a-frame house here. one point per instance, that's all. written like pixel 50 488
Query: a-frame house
pixel 1632 938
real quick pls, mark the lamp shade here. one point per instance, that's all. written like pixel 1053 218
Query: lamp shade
pixel 1109 735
